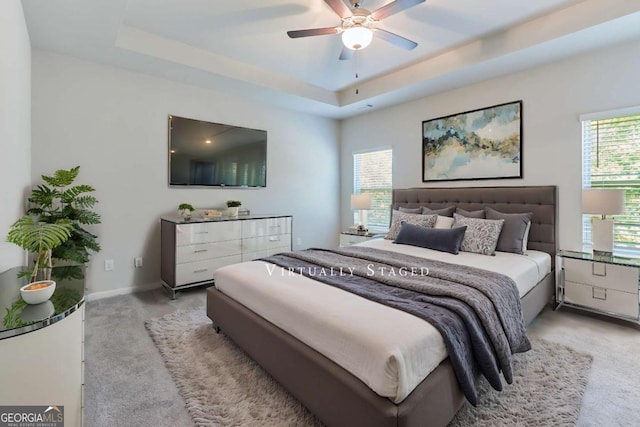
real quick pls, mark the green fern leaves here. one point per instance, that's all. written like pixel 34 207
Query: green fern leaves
pixel 38 236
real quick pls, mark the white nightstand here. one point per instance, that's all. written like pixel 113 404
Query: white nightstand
pixel 602 284
pixel 348 238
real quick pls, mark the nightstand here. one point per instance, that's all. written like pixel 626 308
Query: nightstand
pixel 348 238
pixel 601 284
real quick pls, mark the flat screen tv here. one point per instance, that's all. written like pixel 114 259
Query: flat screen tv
pixel 204 154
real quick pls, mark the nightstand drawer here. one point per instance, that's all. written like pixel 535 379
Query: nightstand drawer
pixel 352 239
pixel 602 275
pixel 608 300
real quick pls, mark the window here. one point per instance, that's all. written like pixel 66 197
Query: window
pixel 372 174
pixel 611 159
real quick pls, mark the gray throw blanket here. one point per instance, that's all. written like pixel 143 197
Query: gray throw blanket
pixel 477 312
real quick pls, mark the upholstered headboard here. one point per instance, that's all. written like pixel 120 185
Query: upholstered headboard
pixel 541 201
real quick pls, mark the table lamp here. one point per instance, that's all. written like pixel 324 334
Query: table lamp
pixel 600 201
pixel 361 202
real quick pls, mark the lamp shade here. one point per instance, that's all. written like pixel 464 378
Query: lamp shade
pixel 601 201
pixel 357 37
pixel 361 201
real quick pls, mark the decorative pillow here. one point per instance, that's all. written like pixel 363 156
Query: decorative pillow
pixel 471 214
pixel 481 236
pixel 410 210
pixel 512 237
pixel 443 222
pixel 397 218
pixel 444 211
pixel 431 238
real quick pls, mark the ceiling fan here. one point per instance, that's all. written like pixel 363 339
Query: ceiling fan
pixel 360 25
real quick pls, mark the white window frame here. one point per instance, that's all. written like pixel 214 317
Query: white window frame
pixel 586 173
pixel 356 190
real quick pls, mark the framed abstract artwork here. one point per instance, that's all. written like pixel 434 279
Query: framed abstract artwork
pixel 478 144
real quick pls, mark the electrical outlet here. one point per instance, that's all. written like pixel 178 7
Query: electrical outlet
pixel 137 262
pixel 108 265
pixel 299 241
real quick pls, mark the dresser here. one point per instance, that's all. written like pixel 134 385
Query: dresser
pixel 193 250
pixel 603 284
pixel 42 346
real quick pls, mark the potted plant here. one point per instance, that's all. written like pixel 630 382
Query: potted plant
pixel 40 238
pixel 185 210
pixel 57 200
pixel 233 206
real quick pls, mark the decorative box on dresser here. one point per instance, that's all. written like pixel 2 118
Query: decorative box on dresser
pixel 193 250
pixel 602 284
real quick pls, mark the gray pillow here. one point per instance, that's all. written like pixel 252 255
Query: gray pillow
pixel 481 236
pixel 397 218
pixel 439 239
pixel 444 211
pixel 410 210
pixel 471 214
pixel 513 235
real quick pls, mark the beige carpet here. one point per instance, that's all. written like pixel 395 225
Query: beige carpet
pixel 223 387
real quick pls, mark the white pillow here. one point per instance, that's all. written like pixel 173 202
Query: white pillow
pixel 443 222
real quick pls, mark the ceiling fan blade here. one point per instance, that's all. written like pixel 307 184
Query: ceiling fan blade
pixel 393 8
pixel 312 32
pixel 346 54
pixel 395 39
pixel 339 7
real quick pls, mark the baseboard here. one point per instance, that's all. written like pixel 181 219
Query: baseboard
pixel 93 296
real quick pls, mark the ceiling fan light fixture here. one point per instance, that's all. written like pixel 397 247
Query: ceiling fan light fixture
pixel 357 37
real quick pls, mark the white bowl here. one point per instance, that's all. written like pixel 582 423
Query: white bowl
pixel 38 296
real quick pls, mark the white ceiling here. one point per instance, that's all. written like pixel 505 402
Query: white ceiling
pixel 241 46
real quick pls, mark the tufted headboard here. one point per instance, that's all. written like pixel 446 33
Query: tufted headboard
pixel 542 201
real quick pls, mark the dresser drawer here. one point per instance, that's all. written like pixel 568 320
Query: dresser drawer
pixel 204 232
pixel 267 242
pixel 201 271
pixel 204 251
pixel 278 226
pixel 608 300
pixel 602 275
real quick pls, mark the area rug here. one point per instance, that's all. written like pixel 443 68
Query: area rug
pixel 222 386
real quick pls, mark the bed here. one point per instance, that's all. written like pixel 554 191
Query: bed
pixel 333 393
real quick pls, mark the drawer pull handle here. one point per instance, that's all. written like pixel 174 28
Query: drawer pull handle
pixel 200 251
pixel 202 232
pixel 201 271
pixel 602 271
pixel 600 294
pixel 274 239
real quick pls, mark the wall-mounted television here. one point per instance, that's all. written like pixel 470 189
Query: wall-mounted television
pixel 204 154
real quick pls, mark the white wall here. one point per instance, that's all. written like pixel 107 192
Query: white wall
pixel 15 125
pixel 553 97
pixel 113 123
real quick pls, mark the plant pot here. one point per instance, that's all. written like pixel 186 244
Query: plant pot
pixel 185 214
pixel 37 292
pixel 232 212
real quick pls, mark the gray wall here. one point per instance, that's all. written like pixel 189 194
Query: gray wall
pixel 15 125
pixel 113 123
pixel 553 97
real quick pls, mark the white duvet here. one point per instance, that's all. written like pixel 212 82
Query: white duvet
pixel 387 349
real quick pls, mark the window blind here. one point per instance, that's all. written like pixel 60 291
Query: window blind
pixel 372 173
pixel 611 159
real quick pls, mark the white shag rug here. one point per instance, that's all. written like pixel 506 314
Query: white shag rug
pixel 222 386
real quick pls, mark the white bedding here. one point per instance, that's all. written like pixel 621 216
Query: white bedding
pixel 387 349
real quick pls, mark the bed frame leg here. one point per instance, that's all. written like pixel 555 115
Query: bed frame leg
pixel 216 328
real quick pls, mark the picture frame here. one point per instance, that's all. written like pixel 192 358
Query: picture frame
pixel 485 143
